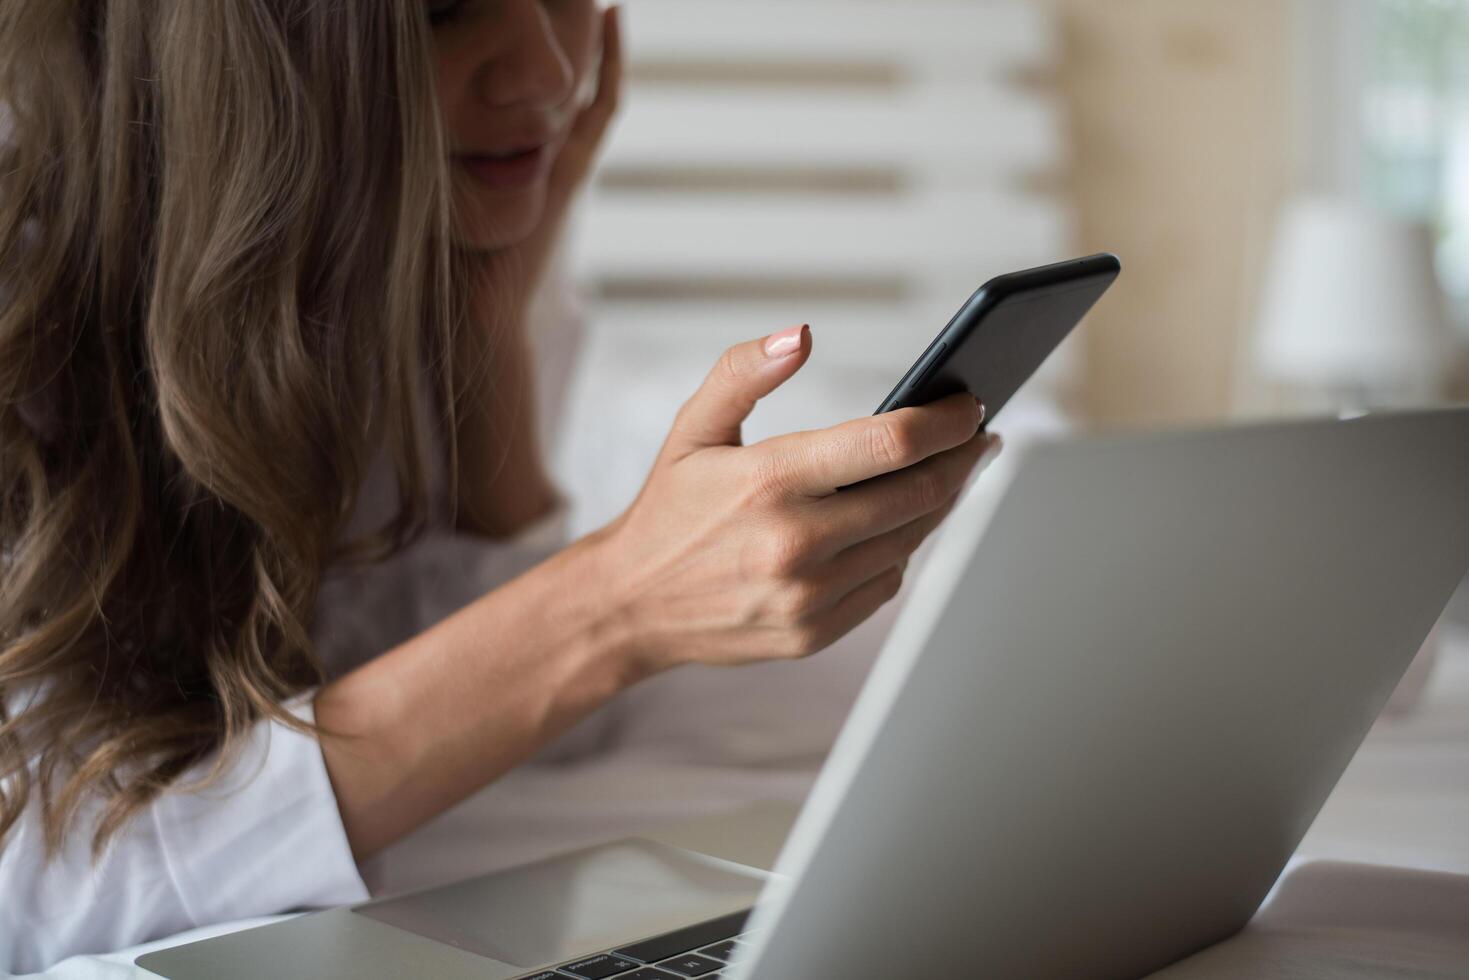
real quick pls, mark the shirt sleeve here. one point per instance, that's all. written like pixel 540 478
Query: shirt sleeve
pixel 265 837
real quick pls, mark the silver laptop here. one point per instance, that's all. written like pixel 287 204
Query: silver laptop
pixel 1100 727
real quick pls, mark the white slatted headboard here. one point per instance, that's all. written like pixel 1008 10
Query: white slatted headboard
pixel 858 164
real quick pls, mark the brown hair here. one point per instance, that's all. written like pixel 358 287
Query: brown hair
pixel 225 264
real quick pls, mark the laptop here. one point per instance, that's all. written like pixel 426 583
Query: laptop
pixel 1101 725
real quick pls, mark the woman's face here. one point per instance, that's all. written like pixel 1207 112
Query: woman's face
pixel 512 76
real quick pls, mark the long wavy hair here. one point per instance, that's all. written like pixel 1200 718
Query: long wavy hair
pixel 225 281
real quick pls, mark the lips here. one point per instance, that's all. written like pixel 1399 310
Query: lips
pixel 511 150
pixel 509 168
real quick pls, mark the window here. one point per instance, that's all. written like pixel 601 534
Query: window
pixel 1414 124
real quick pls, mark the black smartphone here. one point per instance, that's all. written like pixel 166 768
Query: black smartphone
pixel 1004 333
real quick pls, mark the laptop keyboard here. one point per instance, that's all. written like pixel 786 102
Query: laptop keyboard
pixel 701 950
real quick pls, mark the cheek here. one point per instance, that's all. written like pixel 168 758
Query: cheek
pixel 453 80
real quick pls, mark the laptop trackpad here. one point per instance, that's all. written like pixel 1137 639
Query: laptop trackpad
pixel 576 904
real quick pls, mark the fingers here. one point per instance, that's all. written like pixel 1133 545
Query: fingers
pixel 854 608
pixel 873 508
pixel 591 123
pixel 854 566
pixel 745 373
pixel 609 76
pixel 817 464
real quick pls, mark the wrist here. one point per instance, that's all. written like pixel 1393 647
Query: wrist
pixel 619 630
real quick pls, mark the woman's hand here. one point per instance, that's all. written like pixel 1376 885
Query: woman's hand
pixel 732 554
pixel 574 161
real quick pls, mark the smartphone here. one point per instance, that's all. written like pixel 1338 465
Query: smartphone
pixel 1004 333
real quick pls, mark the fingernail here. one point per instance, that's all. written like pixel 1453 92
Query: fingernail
pixel 983 412
pixel 786 342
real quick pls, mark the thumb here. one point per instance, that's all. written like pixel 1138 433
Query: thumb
pixel 745 374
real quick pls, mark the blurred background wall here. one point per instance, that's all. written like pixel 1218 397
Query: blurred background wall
pixel 1290 182
pixel 1287 182
pixel 1180 132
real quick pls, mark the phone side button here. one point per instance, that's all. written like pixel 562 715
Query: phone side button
pixel 933 364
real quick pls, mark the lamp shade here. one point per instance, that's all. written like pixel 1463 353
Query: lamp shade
pixel 1350 299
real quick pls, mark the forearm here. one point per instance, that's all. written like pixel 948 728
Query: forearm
pixel 452 709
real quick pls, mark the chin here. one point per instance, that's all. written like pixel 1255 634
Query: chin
pixel 490 220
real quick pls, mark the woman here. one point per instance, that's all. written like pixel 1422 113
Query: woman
pixel 266 265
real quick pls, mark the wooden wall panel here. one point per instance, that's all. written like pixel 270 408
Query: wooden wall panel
pixel 1181 135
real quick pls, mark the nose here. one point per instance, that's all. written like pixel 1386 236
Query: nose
pixel 526 65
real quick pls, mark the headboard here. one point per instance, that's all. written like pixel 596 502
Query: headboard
pixel 859 164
